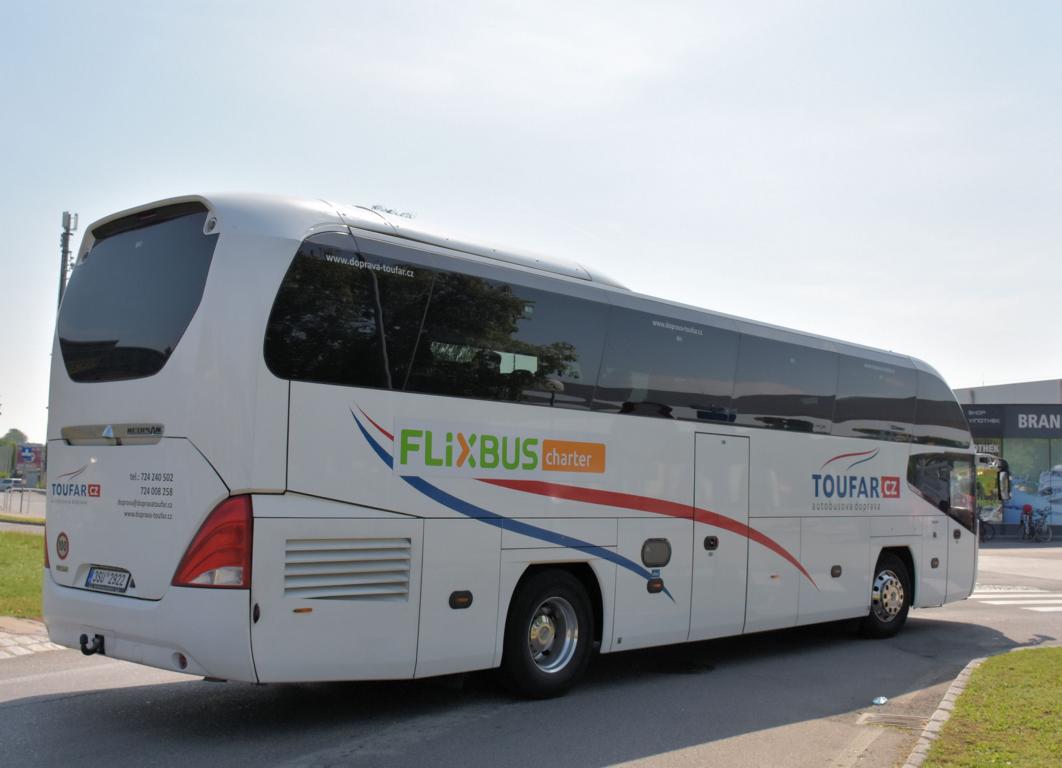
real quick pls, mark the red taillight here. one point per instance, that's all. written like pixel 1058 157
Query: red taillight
pixel 220 553
pixel 46 563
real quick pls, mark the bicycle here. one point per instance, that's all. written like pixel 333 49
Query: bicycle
pixel 1041 526
pixel 985 530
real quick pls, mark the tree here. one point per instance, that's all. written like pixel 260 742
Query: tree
pixel 14 436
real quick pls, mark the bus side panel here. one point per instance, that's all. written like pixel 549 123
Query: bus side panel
pixel 962 561
pixel 836 552
pixel 933 577
pixel 459 556
pixel 720 556
pixel 237 409
pixel 337 598
pixel 329 456
pixel 644 619
pixel 774 586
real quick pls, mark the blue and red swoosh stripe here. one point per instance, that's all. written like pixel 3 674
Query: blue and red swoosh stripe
pixel 492 518
pixel 578 494
pixel 861 457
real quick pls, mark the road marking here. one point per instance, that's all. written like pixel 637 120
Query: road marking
pixel 1025 598
pixel 1048 601
pixel 1014 593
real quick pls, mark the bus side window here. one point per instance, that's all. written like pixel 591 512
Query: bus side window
pixel 945 480
pixel 939 420
pixel 666 367
pixel 346 317
pixel 874 400
pixel 784 386
pixel 494 340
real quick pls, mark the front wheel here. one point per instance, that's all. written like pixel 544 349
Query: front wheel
pixel 548 635
pixel 1044 532
pixel 890 598
pixel 988 531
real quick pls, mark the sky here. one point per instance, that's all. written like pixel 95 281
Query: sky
pixel 885 173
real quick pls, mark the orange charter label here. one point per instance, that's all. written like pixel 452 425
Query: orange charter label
pixel 569 456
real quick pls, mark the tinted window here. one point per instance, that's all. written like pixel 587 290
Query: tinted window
pixel 660 366
pixel 874 399
pixel 370 316
pixel 498 341
pixel 945 480
pixel 938 417
pixel 346 318
pixel 131 298
pixel 784 386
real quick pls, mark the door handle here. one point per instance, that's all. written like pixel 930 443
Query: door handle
pixel 956 534
pixel 711 543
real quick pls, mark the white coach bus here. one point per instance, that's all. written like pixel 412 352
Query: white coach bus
pixel 296 441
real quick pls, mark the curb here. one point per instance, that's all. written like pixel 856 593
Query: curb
pixel 941 716
pixel 947 704
pixel 12 519
pixel 15 626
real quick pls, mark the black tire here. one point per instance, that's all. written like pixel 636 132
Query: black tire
pixel 537 659
pixel 988 531
pixel 890 598
pixel 1044 533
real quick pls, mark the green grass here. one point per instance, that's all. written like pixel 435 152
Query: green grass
pixel 21 562
pixel 1009 715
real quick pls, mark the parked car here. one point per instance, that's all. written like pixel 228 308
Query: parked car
pixel 10 483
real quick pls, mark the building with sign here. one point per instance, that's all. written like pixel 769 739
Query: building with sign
pixel 29 463
pixel 1023 424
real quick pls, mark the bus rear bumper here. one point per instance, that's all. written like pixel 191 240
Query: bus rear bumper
pixel 196 631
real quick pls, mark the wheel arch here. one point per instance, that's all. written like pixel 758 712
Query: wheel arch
pixel 581 571
pixel 904 553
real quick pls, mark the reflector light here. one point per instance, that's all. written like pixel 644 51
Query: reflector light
pixel 47 564
pixel 220 554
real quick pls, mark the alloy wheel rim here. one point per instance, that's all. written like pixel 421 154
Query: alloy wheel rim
pixel 887 596
pixel 553 634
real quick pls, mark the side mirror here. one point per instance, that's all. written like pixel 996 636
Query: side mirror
pixel 1004 485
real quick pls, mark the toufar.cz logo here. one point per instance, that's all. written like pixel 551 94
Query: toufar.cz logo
pixel 67 487
pixel 831 484
pixel 87 490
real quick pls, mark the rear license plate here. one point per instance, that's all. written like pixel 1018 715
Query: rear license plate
pixel 107 579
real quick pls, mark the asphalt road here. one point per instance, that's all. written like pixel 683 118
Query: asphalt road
pixel 794 698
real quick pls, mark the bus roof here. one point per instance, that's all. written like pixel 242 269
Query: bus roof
pixel 292 216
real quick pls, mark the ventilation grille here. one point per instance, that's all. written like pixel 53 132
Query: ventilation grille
pixel 347 569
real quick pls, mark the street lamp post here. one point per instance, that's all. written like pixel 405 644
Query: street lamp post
pixel 69 225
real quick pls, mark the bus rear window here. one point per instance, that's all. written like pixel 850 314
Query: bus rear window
pixel 131 298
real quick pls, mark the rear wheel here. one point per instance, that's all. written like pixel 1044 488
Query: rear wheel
pixel 890 598
pixel 548 635
pixel 1044 532
pixel 988 531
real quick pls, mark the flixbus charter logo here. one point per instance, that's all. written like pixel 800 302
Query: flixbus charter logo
pixel 850 486
pixel 443 448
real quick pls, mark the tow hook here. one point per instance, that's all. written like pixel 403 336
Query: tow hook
pixel 96 646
